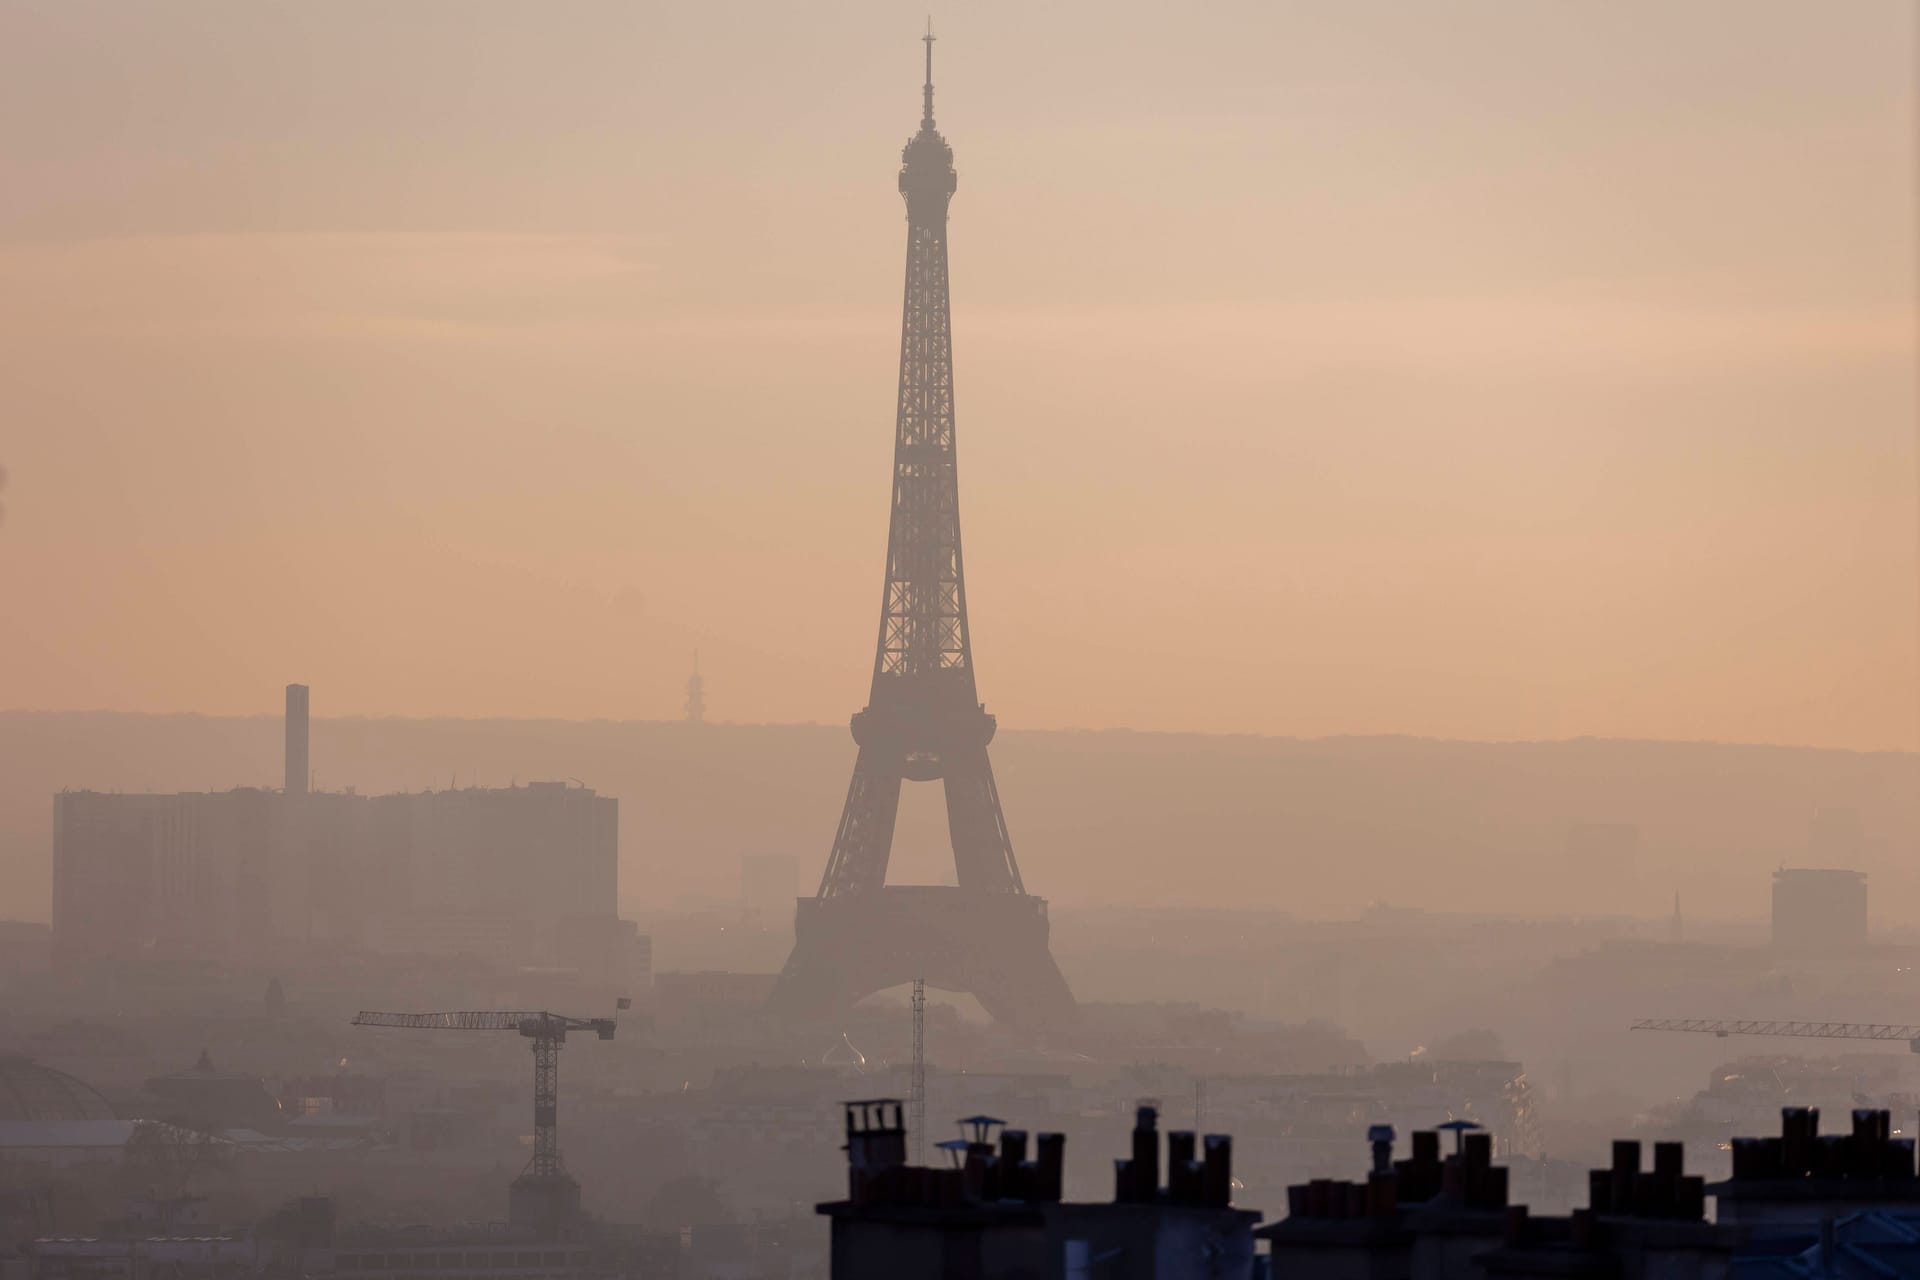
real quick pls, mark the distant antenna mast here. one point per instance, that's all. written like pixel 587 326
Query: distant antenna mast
pixel 919 1100
pixel 696 694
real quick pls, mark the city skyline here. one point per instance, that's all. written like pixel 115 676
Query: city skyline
pixel 1432 680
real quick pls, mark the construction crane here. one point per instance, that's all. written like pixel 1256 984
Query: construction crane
pixel 544 1195
pixel 1722 1027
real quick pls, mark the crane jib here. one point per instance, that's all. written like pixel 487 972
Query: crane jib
pixel 533 1025
pixel 1724 1027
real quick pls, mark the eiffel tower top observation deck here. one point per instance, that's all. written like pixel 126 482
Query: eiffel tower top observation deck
pixel 927 179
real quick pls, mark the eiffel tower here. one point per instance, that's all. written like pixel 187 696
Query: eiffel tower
pixel 924 720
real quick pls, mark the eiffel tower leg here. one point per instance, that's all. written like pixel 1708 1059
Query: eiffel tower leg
pixel 982 850
pixel 865 838
pixel 1018 983
pixel 816 976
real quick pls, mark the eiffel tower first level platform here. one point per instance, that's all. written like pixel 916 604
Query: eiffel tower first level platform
pixel 924 721
pixel 993 945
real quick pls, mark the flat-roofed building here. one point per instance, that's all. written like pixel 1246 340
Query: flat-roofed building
pixel 528 873
pixel 1815 909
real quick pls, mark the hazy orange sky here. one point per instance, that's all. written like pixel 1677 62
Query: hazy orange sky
pixel 1485 370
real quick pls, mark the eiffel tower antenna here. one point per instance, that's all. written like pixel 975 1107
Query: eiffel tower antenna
pixel 926 108
pixel 924 721
pixel 919 1099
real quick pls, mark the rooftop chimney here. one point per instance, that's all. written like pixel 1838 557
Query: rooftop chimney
pixel 1217 1171
pixel 1146 1152
pixel 876 1147
pixel 296 740
pixel 1380 1138
pixel 1051 1159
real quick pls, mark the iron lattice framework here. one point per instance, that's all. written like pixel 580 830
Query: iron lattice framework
pixel 923 719
pixel 548 1031
pixel 919 1098
pixel 1909 1032
pixel 546 1109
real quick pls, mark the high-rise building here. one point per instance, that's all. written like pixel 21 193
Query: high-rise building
pixel 1819 910
pixel 527 872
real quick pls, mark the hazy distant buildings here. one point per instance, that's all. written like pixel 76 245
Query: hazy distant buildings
pixel 1819 910
pixel 494 1255
pixel 33 1094
pixel 1603 864
pixel 769 883
pixel 544 853
pixel 527 874
pixel 205 1098
pixel 189 873
pixel 703 998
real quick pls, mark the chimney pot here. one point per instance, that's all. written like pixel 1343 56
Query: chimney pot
pixel 1013 1146
pixel 1217 1170
pixel 1146 1152
pixel 1426 1147
pixel 1051 1159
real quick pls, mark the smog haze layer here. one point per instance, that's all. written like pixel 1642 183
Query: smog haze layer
pixel 1482 371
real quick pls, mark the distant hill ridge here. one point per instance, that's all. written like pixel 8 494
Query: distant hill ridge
pixel 1310 825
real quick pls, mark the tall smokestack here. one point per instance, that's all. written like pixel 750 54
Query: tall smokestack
pixel 296 739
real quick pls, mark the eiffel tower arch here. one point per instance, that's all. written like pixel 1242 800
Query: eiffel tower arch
pixel 924 721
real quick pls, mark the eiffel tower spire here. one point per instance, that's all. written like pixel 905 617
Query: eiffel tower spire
pixel 923 721
pixel 926 110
